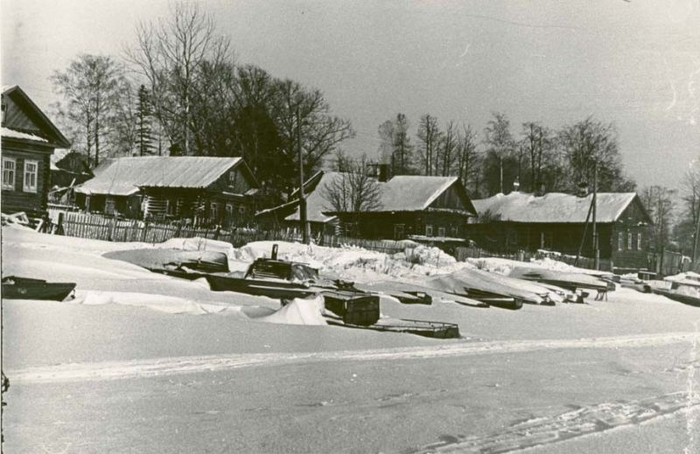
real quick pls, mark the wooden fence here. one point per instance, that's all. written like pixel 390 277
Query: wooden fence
pixel 91 226
pixel 96 227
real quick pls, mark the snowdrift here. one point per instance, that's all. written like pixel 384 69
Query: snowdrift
pixel 299 312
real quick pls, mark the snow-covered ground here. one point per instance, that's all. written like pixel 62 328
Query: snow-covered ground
pixel 140 362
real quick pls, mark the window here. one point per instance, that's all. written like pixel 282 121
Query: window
pixel 229 210
pixel 441 231
pixel 232 179
pixel 214 210
pixel 639 241
pixel 429 230
pixel 31 169
pixel 620 241
pixel 629 241
pixel 8 173
pixel 454 231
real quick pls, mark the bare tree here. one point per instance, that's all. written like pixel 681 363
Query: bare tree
pixel 170 55
pixel 353 191
pixel 468 159
pixel 321 133
pixel 448 150
pixel 658 200
pixel 402 156
pixel 93 89
pixel 590 143
pixel 429 137
pixel 499 142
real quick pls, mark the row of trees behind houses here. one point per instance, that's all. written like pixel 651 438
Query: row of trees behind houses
pixel 497 158
pixel 177 90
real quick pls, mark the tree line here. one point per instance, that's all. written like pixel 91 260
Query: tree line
pixel 497 159
pixel 179 91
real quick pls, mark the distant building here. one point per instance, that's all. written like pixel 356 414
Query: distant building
pixel 557 222
pixel 28 140
pixel 205 190
pixel 409 205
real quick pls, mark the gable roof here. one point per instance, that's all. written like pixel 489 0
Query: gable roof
pixel 124 176
pixel 53 135
pixel 557 207
pixel 401 193
pixel 417 193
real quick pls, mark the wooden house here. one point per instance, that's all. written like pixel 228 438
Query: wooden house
pixel 557 222
pixel 203 190
pixel 28 140
pixel 409 205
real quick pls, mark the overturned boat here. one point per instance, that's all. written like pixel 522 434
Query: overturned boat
pixel 565 280
pixel 23 288
pixel 492 289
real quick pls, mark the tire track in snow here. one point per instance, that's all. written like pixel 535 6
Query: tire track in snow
pixel 144 368
pixel 576 423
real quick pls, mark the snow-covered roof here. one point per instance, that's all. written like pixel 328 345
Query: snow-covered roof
pixel 413 192
pixel 401 193
pixel 124 176
pixel 554 207
pixel 58 154
pixel 11 133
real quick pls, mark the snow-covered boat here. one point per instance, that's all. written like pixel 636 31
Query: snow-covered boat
pixel 437 330
pixel 22 288
pixel 491 288
pixel 272 278
pixel 565 280
pixel 684 287
pixel 408 293
pixel 177 262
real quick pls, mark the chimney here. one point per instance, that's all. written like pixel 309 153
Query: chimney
pixel 582 189
pixel 383 173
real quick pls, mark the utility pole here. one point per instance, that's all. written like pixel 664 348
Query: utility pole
pixel 302 198
pixel 695 237
pixel 596 251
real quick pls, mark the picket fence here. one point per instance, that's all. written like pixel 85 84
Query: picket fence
pixel 96 227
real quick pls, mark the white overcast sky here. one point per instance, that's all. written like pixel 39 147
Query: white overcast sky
pixel 635 63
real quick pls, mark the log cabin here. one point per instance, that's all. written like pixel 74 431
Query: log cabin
pixel 29 139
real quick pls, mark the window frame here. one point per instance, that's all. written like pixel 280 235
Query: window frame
pixel 620 241
pixel 9 185
pixel 25 173
pixel 441 232
pixel 214 210
pixel 428 230
pixel 639 241
pixel 629 241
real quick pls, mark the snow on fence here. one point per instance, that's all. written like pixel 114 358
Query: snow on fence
pixel 97 227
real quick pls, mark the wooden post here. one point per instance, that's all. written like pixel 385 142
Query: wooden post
pixel 59 228
pixel 596 250
pixel 302 199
